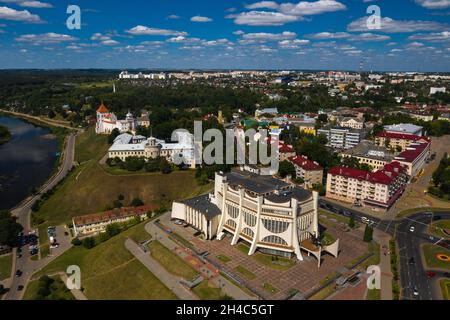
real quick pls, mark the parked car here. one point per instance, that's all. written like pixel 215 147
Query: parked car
pixel 18 273
pixel 411 261
pixel 430 274
pixel 415 291
pixel 20 288
pixel 412 229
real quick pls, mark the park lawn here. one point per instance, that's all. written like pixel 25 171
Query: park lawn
pixel 277 263
pixel 245 273
pixel 89 189
pixel 90 146
pixel 430 252
pixel 223 258
pixel 61 292
pixel 437 227
pixel 110 271
pixel 5 266
pixel 374 294
pixel 171 261
pixel 270 288
pixel 207 291
pixel 324 293
pixel 445 288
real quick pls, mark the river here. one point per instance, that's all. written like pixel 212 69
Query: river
pixel 26 161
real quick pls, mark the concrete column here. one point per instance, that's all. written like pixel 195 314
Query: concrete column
pixel 295 239
pixel 224 214
pixel 258 226
pixel 240 217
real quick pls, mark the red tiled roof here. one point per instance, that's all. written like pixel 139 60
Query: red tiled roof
pixel 113 214
pixel 102 109
pixel 383 176
pixel 285 148
pixel 412 152
pixel 304 163
pixel 403 136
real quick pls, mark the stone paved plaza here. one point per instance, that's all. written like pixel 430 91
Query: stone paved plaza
pixel 303 276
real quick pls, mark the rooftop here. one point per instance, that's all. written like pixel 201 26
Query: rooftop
pixel 404 128
pixel 113 214
pixel 204 205
pixel 367 149
pixel 403 136
pixel 305 163
pixel 412 152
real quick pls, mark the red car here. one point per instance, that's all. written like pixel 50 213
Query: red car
pixel 430 274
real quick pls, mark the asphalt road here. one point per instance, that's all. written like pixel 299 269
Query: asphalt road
pixel 23 211
pixel 413 276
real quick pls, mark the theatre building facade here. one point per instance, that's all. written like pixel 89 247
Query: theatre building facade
pixel 272 216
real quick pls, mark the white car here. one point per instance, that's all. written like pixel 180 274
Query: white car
pixel 415 291
pixel 412 229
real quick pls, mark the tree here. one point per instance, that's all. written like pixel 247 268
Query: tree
pixel 112 229
pixel 89 242
pixel 286 168
pixel 113 135
pixel 351 222
pixel 368 234
pixel 165 166
pixel 136 202
pixel 76 242
pixel 9 229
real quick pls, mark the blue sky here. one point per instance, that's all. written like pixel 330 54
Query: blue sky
pixel 313 34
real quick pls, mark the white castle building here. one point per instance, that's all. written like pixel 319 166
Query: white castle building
pixel 127 145
pixel 107 122
pixel 272 216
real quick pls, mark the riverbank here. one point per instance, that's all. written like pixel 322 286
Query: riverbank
pixel 56 134
pixel 5 135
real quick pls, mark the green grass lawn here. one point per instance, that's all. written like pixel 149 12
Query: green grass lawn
pixel 89 189
pixel 445 288
pixel 430 252
pixel 374 294
pixel 324 293
pixel 245 273
pixel 110 271
pixel 437 227
pixel 5 266
pixel 90 146
pixel 207 291
pixel 223 258
pixel 270 288
pixel 277 263
pixel 59 290
pixel 171 261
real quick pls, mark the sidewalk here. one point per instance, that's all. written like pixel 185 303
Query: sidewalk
pixel 207 270
pixel 385 264
pixel 170 281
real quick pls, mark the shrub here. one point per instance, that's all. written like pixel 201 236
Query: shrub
pixel 76 242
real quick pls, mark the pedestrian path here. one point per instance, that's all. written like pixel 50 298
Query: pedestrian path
pixel 169 280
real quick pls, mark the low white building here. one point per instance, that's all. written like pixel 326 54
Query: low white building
pixel 127 145
pixel 407 128
pixel 434 90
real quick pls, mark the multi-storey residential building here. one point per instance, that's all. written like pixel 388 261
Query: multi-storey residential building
pixel 368 153
pixel 96 223
pixel 397 141
pixel 310 171
pixel 342 138
pixel 424 116
pixel 272 216
pixel 378 189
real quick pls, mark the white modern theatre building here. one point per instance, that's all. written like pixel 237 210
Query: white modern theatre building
pixel 271 215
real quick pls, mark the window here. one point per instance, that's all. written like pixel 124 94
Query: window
pixel 275 226
pixel 274 240
pixel 249 219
